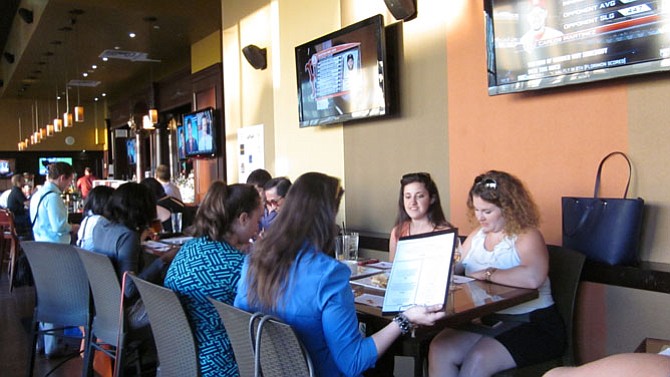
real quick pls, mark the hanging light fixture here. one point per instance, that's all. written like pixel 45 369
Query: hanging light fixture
pixel 79 109
pixel 67 115
pixel 58 122
pixel 153 112
pixel 21 145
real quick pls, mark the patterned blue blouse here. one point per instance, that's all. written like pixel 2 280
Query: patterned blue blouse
pixel 205 268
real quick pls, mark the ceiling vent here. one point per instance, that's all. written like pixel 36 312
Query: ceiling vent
pixel 86 83
pixel 133 56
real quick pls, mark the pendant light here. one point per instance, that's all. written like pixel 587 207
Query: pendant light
pixel 79 109
pixel 153 112
pixel 58 122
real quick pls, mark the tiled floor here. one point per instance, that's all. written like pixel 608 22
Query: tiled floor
pixel 15 315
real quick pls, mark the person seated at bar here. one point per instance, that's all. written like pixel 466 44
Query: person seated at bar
pixel 624 364
pixel 258 178
pixel 209 266
pixel 16 203
pixel 506 248
pixel 164 177
pixel 94 208
pixel 170 203
pixel 292 274
pixel 275 192
pixel 419 209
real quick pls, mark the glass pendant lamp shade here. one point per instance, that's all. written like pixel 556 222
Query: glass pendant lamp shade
pixel 50 130
pixel 79 114
pixel 153 116
pixel 58 125
pixel 43 133
pixel 67 120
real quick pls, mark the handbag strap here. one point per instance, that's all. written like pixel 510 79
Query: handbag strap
pixel 600 169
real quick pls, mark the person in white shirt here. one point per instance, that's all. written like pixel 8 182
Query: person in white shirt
pixel 163 176
pixel 3 198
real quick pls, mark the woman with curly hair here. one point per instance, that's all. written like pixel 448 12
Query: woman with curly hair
pixel 507 248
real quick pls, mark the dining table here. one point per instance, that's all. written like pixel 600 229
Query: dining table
pixel 464 303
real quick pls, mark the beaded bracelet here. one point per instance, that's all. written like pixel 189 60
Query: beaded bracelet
pixel 403 323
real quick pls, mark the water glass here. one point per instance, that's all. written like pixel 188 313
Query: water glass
pixel 176 222
pixel 346 246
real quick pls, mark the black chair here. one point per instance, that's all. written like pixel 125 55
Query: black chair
pixel 565 270
pixel 279 352
pixel 241 329
pixel 62 293
pixel 177 353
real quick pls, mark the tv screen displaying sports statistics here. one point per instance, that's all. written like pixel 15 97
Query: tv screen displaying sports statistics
pixel 342 75
pixel 200 133
pixel 45 161
pixel 534 44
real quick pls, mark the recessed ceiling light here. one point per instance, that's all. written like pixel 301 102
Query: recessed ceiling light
pixel 104 59
pixel 85 74
pixel 132 35
pixel 104 94
pixel 94 66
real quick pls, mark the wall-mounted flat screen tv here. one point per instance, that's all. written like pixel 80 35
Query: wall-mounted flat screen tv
pixel 45 161
pixel 200 133
pixel 181 143
pixel 342 75
pixel 535 44
pixel 7 167
pixel 131 151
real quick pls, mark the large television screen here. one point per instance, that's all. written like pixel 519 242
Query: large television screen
pixel 45 161
pixel 342 75
pixel 534 44
pixel 200 133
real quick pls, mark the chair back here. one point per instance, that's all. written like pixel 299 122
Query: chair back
pixel 106 290
pixel 175 344
pixel 10 235
pixel 241 329
pixel 565 271
pixel 61 290
pixel 279 352
pixel 61 284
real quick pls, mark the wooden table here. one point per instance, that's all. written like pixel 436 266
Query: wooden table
pixel 465 303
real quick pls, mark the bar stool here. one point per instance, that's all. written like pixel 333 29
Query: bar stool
pixel 10 240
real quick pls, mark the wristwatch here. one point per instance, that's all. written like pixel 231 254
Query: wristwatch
pixel 489 272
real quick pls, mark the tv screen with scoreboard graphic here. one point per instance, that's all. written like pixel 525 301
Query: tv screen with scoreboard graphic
pixel 534 44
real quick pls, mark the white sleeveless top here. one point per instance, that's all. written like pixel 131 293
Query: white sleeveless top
pixel 504 256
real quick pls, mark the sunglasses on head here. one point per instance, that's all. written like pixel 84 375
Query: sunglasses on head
pixel 488 183
pixel 421 175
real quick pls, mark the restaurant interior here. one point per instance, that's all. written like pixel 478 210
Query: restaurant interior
pixel 236 60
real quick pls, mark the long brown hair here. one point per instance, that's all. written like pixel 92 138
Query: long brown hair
pixel 435 214
pixel 307 219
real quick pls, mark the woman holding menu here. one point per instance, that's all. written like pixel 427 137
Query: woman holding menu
pixel 291 274
pixel 506 248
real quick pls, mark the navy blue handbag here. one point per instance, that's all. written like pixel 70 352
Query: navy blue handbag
pixel 606 230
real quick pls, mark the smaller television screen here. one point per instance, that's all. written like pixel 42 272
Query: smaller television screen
pixel 131 150
pixel 45 161
pixel 181 143
pixel 199 133
pixel 6 167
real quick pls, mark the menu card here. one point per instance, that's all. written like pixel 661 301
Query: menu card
pixel 421 271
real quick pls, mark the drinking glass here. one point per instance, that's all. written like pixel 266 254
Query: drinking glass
pixel 176 222
pixel 346 246
pixel 457 259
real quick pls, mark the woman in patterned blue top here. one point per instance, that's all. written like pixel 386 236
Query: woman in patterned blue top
pixel 209 266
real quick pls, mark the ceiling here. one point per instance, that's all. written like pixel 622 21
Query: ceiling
pixel 55 55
